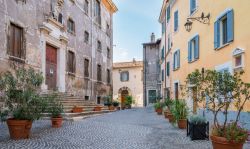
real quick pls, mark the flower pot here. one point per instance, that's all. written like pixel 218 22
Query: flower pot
pixel 19 129
pixel 77 110
pixel 182 123
pixel 159 111
pixel 198 131
pixel 111 108
pixel 170 117
pixel 56 122
pixel 166 113
pixel 222 143
pixel 97 108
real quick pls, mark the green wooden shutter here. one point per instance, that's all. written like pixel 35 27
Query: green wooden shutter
pixel 230 26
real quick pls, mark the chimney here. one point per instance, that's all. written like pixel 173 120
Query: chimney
pixel 152 37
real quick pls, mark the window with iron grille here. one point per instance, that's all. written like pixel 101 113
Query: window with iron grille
pixel 86 68
pixel 71 26
pixel 16 42
pixel 108 76
pixel 99 73
pixel 86 37
pixel 71 62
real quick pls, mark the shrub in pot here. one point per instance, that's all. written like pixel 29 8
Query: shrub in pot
pixel 55 110
pixel 21 93
pixel 128 102
pixel 116 105
pixel 198 127
pixel 168 104
pixel 159 106
pixel 221 91
pixel 180 113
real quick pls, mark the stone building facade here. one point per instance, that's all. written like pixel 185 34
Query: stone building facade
pixel 69 41
pixel 128 81
pixel 151 71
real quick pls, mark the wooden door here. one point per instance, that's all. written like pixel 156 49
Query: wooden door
pixel 51 67
pixel 124 94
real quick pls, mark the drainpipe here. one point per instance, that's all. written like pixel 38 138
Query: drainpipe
pixel 92 78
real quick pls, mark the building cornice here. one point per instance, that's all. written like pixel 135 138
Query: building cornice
pixel 110 5
pixel 161 17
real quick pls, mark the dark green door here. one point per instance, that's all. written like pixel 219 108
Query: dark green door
pixel 151 96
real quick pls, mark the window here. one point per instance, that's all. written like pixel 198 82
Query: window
pixel 169 43
pixel 86 6
pixel 124 76
pixel 71 62
pixel 163 27
pixel 238 61
pixel 108 76
pixel 238 55
pixel 108 31
pixel 162 75
pixel 99 73
pixel 176 63
pixel 108 52
pixel 86 98
pixel 71 26
pixel 176 21
pixel 16 42
pixel 168 13
pixel 86 37
pixel 193 49
pixel 162 54
pixel 176 90
pixel 224 29
pixel 192 6
pixel 86 68
pixel 60 18
pixel 98 11
pixel 168 69
pixel 99 45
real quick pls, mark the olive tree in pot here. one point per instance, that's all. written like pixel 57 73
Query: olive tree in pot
pixel 198 127
pixel 20 91
pixel 222 90
pixel 55 109
pixel 180 113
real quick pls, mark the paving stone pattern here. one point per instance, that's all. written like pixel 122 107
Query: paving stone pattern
pixel 129 129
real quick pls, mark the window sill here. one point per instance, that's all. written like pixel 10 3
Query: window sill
pixel 176 69
pixel 71 74
pixel 194 60
pixel 86 78
pixel 17 59
pixel 99 82
pixel 238 68
pixel 72 33
pixel 221 47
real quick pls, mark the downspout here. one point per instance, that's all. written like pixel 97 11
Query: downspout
pixel 92 78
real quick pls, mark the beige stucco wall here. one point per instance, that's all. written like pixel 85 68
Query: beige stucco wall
pixel 135 84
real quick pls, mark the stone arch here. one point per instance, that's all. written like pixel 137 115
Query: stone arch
pixel 121 91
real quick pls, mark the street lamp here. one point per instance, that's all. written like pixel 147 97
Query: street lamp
pixel 202 19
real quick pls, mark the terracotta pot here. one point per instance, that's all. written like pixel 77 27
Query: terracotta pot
pixel 182 123
pixel 159 111
pixel 170 117
pixel 98 108
pixel 56 122
pixel 77 110
pixel 166 113
pixel 19 129
pixel 222 143
pixel 111 108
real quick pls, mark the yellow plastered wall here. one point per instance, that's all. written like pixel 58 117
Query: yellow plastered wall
pixel 209 58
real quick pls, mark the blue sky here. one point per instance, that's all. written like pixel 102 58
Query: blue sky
pixel 133 24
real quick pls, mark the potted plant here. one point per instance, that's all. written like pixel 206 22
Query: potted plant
pixel 180 113
pixel 128 102
pixel 221 91
pixel 198 128
pixel 116 105
pixel 97 108
pixel 77 109
pixel 158 106
pixel 20 91
pixel 55 110
pixel 3 114
pixel 168 104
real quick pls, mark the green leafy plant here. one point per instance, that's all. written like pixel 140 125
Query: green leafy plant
pixel 158 105
pixel 116 103
pixel 220 91
pixel 179 109
pixel 21 93
pixel 107 101
pixel 197 119
pixel 55 107
pixel 168 103
pixel 129 100
pixel 3 114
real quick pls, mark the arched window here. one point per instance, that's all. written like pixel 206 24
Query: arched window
pixel 124 76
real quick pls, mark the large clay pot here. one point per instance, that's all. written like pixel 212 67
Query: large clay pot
pixel 159 111
pixel 56 122
pixel 222 143
pixel 98 108
pixel 170 117
pixel 166 113
pixel 19 129
pixel 111 108
pixel 77 110
pixel 182 123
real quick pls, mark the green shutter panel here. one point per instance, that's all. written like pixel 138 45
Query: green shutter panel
pixel 189 51
pixel 178 58
pixel 191 6
pixel 216 34
pixel 196 47
pixel 175 20
pixel 230 26
pixel 174 61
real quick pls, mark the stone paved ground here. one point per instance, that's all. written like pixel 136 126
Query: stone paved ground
pixel 129 129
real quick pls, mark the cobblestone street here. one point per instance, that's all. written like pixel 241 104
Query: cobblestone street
pixel 129 129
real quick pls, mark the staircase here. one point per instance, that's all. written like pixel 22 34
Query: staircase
pixel 69 101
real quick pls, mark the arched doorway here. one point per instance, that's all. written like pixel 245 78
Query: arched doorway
pixel 124 94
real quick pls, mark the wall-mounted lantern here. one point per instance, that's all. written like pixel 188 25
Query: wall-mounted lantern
pixel 202 19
